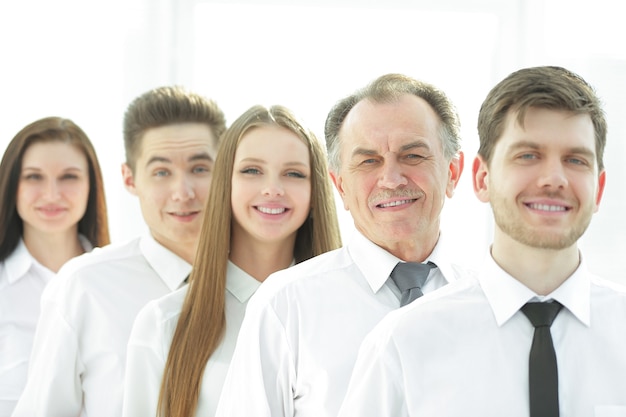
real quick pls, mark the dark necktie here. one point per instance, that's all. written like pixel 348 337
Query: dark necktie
pixel 410 277
pixel 543 380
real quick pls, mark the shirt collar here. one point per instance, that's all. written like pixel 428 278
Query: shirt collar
pixel 171 268
pixel 18 263
pixel 441 257
pixel 376 264
pixel 575 293
pixel 239 283
pixel 21 261
pixel 506 295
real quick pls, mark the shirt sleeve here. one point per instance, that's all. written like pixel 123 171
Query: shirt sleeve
pixel 376 385
pixel 260 379
pixel 145 363
pixel 53 387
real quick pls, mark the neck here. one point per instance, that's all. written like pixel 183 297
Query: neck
pixel 541 270
pixel 52 250
pixel 186 252
pixel 413 250
pixel 259 260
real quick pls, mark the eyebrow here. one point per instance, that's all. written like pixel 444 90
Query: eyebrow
pixel 417 144
pixel 203 156
pixel 262 161
pixel 579 150
pixel 71 168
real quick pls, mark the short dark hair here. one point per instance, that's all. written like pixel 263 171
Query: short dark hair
pixel 546 87
pixel 166 106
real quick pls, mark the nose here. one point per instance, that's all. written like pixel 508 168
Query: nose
pixel 553 174
pixel 391 175
pixel 53 189
pixel 183 189
pixel 273 187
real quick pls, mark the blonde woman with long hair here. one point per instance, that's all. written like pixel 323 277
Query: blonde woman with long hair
pixel 270 206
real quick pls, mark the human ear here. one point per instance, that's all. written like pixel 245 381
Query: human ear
pixel 480 179
pixel 338 181
pixel 455 171
pixel 600 192
pixel 129 179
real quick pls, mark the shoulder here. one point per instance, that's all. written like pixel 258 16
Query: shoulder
pixel 312 272
pixel 158 318
pixel 101 264
pixel 449 303
pixel 463 271
pixel 607 291
pixel 4 278
pixel 168 307
pixel 608 285
pixel 113 252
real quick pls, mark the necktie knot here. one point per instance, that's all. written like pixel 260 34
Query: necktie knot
pixel 541 314
pixel 410 277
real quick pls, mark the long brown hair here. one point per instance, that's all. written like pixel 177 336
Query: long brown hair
pixel 202 322
pixel 93 225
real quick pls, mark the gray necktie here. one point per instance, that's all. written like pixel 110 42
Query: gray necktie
pixel 410 277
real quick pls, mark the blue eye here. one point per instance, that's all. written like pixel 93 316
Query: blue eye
pixel 252 171
pixel 576 161
pixel 296 174
pixel 200 170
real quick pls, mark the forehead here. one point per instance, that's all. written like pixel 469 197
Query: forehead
pixel 382 123
pixel 549 128
pixel 53 151
pixel 177 140
pixel 272 143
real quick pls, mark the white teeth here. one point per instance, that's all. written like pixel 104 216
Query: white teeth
pixel 271 210
pixel 546 207
pixel 395 203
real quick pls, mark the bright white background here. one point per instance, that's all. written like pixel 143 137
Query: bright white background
pixel 86 60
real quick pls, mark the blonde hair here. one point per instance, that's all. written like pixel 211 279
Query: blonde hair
pixel 202 322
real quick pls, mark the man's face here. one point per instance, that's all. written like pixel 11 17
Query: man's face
pixel 543 181
pixel 394 177
pixel 172 177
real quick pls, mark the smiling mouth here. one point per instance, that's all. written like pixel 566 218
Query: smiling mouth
pixel 268 210
pixel 51 209
pixel 547 207
pixel 184 213
pixel 395 203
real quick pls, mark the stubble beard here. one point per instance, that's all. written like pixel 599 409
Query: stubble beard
pixel 507 218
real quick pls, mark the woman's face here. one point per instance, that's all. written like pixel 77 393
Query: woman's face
pixel 53 187
pixel 271 185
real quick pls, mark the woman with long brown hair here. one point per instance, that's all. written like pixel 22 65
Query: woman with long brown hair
pixel 52 209
pixel 270 206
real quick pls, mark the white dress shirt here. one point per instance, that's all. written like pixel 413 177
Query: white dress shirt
pixel 22 280
pixel 87 311
pixel 151 338
pixel 464 351
pixel 303 327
